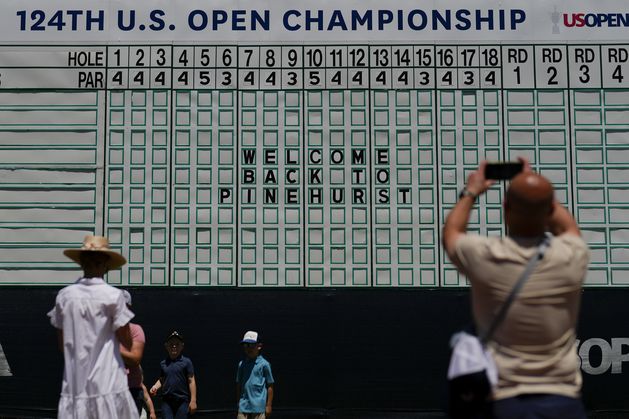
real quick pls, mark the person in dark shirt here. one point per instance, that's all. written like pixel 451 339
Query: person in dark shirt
pixel 179 388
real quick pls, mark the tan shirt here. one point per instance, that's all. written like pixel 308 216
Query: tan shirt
pixel 534 347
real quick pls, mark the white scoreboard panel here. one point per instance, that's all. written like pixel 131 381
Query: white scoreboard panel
pixel 313 146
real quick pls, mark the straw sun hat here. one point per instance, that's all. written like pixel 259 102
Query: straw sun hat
pixel 97 244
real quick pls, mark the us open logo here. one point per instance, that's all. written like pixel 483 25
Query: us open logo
pixel 599 356
pixel 591 20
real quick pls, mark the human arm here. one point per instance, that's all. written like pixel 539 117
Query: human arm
pixel 123 334
pixel 456 222
pixel 156 387
pixel 238 385
pixel 269 400
pixel 149 402
pixel 192 384
pixel 562 222
pixel 268 377
pixel 132 356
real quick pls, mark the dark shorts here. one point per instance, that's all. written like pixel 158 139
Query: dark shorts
pixel 173 408
pixel 538 406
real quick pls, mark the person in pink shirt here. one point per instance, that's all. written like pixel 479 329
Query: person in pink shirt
pixel 132 358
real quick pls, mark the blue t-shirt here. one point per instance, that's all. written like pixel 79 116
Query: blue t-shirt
pixel 175 374
pixel 254 376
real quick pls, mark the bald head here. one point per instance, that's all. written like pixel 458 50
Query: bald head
pixel 529 202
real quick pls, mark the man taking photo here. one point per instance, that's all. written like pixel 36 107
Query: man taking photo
pixel 534 347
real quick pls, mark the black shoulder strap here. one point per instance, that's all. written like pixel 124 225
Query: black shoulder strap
pixel 539 255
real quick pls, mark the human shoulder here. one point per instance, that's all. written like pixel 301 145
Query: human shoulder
pixel 78 287
pixel 113 292
pixel 186 366
pixel 137 333
pixel 571 246
pixel 66 292
pixel 180 363
pixel 469 246
pixel 71 292
pixel 97 289
pixel 472 239
pixel 64 295
pixel 262 361
pixel 265 369
pixel 571 240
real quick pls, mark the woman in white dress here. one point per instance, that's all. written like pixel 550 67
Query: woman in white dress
pixel 92 319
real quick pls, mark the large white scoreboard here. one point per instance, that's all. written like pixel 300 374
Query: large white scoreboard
pixel 309 143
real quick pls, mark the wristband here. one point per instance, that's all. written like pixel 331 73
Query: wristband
pixel 466 192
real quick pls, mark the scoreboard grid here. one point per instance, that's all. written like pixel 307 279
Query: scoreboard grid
pixel 298 165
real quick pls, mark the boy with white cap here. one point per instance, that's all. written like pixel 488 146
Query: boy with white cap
pixel 254 380
pixel 92 319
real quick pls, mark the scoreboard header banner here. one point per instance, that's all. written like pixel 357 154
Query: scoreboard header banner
pixel 313 21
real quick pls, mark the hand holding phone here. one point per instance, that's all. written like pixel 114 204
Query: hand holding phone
pixel 503 170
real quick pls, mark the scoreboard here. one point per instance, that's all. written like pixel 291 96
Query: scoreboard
pixel 315 67
pixel 300 145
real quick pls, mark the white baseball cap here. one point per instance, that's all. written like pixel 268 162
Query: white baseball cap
pixel 250 337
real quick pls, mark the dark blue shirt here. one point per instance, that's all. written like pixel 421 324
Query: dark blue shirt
pixel 175 374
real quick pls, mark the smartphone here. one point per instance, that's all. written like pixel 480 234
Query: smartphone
pixel 503 170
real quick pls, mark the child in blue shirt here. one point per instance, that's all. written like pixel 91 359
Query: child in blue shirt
pixel 254 380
